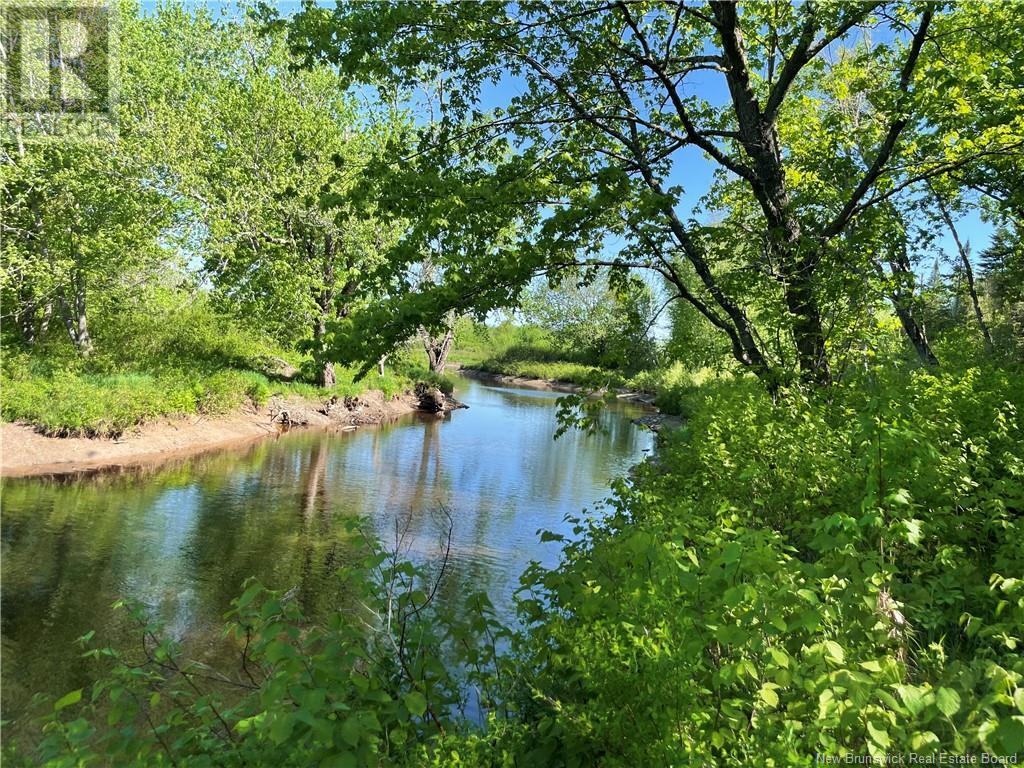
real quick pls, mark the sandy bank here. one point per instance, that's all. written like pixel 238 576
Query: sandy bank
pixel 24 452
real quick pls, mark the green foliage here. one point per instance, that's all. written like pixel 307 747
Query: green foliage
pixel 1003 264
pixel 816 157
pixel 795 578
pixel 366 687
pixel 65 403
pixel 607 326
pixel 262 155
pixel 532 352
pixel 554 370
pixel 81 231
pixel 692 340
pixel 679 390
pixel 178 328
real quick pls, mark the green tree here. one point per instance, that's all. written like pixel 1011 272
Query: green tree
pixel 80 227
pixel 263 156
pixel 591 319
pixel 1003 271
pixel 609 103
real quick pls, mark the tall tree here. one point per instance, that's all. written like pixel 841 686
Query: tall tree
pixel 963 252
pixel 613 99
pixel 264 156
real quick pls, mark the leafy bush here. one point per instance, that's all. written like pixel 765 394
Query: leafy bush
pixel 166 329
pixel 678 389
pixel 475 342
pixel 807 577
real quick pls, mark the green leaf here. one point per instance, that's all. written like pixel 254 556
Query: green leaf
pixel 913 528
pixel 281 729
pixel 913 698
pixel 769 696
pixel 834 651
pixel 351 731
pixel 731 552
pixel 878 735
pixel 67 700
pixel 249 595
pixel 415 703
pixel 1010 735
pixel 948 701
pixel 779 656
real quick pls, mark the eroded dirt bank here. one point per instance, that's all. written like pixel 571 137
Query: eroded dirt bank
pixel 25 452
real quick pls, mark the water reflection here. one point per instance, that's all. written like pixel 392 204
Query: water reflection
pixel 183 538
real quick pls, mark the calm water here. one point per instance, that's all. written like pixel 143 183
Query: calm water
pixel 183 537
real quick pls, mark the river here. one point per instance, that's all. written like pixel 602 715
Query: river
pixel 181 538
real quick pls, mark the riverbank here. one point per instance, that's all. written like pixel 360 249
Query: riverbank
pixel 24 451
pixel 552 385
pixel 656 420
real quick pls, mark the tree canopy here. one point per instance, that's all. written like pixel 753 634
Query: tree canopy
pixel 572 121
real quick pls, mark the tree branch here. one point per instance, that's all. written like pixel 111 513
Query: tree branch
pixel 892 135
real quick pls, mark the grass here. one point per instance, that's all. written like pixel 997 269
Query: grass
pixel 68 403
pixel 676 387
pixel 527 351
pixel 553 370
pixel 171 360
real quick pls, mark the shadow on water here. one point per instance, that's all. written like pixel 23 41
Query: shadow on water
pixel 181 539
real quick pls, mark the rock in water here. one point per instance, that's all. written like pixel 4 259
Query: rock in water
pixel 430 398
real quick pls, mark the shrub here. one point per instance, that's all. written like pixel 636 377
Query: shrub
pixel 817 576
pixel 363 688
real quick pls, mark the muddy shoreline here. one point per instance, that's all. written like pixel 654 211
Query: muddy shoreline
pixel 24 452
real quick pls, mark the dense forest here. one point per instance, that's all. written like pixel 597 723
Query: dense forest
pixel 796 226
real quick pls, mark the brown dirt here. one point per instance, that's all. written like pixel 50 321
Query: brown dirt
pixel 24 451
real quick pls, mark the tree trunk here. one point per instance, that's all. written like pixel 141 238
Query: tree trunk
pixel 325 376
pixel 915 332
pixel 965 261
pixel 766 176
pixel 44 322
pixel 325 302
pixel 907 304
pixel 808 333
pixel 437 349
pixel 27 319
pixel 75 319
